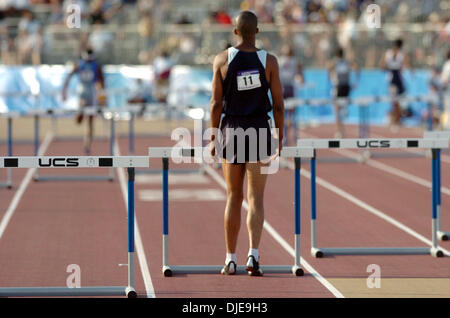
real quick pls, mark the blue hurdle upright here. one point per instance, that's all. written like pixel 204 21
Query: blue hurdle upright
pixel 9 179
pixel 200 153
pixel 434 144
pixel 84 162
pixel 441 234
pixel 92 111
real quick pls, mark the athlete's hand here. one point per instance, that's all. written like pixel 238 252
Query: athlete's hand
pixel 102 100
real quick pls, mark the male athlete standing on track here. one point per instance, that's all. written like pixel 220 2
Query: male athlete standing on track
pixel 91 80
pixel 242 77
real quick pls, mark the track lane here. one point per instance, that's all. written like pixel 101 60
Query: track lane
pixel 420 167
pixel 62 223
pixel 196 237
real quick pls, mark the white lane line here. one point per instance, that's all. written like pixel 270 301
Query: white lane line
pixel 23 186
pixel 149 289
pixel 280 239
pixel 389 169
pixel 392 170
pixel 367 207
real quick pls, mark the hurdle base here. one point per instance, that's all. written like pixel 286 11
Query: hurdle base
pixel 443 236
pixel 297 270
pixel 73 178
pixel 6 185
pixel 317 253
pixel 66 291
pixel 215 269
pixel 377 251
pixel 167 271
pixel 436 252
pixel 130 292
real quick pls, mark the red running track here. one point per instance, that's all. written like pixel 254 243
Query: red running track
pixel 60 223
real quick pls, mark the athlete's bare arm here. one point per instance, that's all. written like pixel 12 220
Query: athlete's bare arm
pixel 66 82
pixel 273 75
pixel 219 70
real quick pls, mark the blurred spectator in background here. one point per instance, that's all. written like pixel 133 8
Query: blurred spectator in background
pixel 346 18
pixel 29 41
pixel 445 80
pixel 140 94
pixel 7 49
pixel 14 5
pixel 435 85
pixel 97 12
pixel 101 39
pixel 162 66
pixel 290 74
pixel 184 19
pixel 221 17
pixel 56 13
pixel 146 30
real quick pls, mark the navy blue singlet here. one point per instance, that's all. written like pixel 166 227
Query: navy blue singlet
pixel 245 87
pixel 245 106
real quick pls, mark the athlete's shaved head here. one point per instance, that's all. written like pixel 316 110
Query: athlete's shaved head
pixel 247 24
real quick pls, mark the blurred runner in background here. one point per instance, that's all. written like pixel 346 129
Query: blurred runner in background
pixel 162 65
pixel 291 73
pixel 90 90
pixel 339 70
pixel 394 61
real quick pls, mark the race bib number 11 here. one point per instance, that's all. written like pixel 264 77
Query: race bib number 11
pixel 248 80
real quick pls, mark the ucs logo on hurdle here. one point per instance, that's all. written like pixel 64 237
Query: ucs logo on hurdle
pixel 373 144
pixel 58 162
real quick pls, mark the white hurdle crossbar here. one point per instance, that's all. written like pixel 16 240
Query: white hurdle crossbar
pixel 434 144
pixel 88 111
pixel 199 153
pixel 441 234
pixel 84 162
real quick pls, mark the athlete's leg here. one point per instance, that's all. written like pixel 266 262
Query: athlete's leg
pixel 396 112
pixel 234 177
pixel 339 125
pixel 256 182
pixel 79 117
pixel 89 135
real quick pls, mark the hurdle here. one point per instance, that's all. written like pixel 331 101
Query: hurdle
pixel 9 117
pixel 434 144
pixel 199 153
pixel 133 112
pixel 442 235
pixel 84 162
pixel 363 104
pixel 89 111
